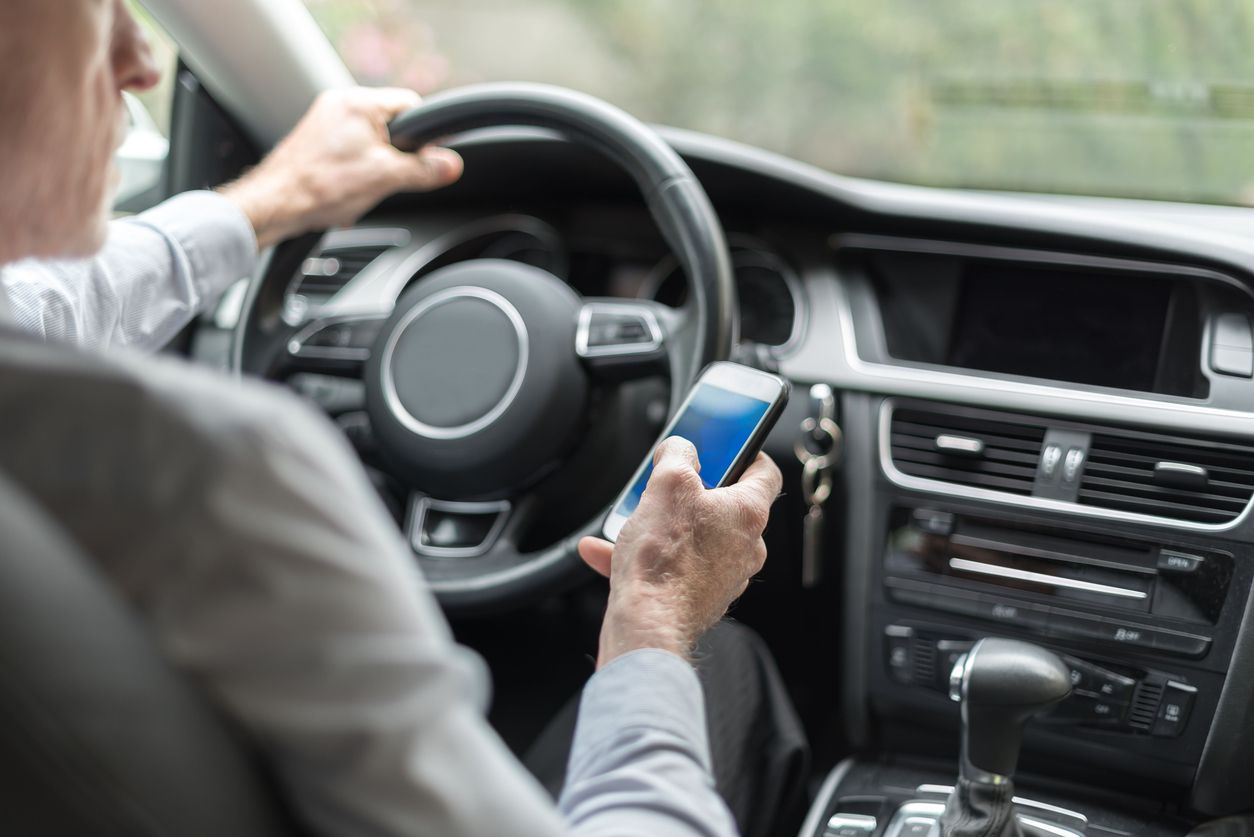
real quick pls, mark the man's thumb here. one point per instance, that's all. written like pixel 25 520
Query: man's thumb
pixel 677 451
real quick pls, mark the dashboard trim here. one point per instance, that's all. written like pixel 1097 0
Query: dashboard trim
pixel 892 243
pixel 831 356
pixel 949 489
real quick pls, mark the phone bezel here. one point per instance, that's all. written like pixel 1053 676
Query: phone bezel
pixel 742 380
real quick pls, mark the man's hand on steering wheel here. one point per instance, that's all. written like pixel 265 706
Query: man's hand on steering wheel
pixel 685 554
pixel 336 164
pixel 519 333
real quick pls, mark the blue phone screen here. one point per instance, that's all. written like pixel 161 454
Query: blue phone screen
pixel 718 422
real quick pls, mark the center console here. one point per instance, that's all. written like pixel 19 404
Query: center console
pixel 1123 554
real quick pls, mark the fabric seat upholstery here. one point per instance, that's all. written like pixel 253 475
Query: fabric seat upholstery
pixel 98 736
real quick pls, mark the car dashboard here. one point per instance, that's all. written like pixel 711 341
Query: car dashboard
pixel 1047 418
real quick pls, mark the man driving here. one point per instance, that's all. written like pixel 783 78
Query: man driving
pixel 239 523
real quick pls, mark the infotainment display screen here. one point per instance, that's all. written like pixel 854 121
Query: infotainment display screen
pixel 1099 329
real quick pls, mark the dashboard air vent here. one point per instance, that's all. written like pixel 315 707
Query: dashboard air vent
pixel 323 276
pixel 1195 480
pixel 994 452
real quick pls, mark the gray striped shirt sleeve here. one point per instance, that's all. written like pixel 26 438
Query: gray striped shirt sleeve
pixel 157 272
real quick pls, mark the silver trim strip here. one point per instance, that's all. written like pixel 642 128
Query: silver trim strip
pixel 626 309
pixel 980 568
pixel 814 817
pixel 1021 801
pixel 392 399
pixel 949 489
pixel 421 505
pixel 1047 828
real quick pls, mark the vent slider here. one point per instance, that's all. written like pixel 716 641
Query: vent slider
pixel 959 445
pixel 1181 475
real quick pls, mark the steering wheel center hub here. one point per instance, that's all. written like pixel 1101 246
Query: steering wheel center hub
pixel 474 389
pixel 438 399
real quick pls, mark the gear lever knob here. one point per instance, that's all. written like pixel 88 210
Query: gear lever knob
pixel 1001 684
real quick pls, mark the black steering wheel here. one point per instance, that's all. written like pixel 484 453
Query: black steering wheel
pixel 478 375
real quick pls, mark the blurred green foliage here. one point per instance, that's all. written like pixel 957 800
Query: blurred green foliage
pixel 1142 98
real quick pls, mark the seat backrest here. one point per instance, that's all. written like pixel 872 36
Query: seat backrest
pixel 98 736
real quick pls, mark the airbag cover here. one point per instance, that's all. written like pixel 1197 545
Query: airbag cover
pixel 473 386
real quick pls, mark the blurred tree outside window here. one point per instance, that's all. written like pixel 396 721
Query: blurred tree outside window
pixel 1144 98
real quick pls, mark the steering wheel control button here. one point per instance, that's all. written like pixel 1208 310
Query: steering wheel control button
pixel 606 330
pixel 1173 712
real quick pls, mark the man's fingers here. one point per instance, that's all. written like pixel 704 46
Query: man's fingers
pixel 431 168
pixel 390 102
pixel 760 483
pixel 597 553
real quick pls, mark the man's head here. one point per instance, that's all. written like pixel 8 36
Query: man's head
pixel 63 67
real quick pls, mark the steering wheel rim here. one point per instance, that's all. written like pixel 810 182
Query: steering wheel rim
pixel 701 333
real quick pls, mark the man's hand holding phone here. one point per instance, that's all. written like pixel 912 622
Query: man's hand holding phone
pixel 685 554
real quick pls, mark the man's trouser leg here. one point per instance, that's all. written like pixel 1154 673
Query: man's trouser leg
pixel 757 743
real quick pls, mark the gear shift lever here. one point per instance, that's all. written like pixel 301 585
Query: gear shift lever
pixel 1001 684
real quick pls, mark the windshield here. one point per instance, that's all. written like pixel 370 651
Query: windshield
pixel 1147 99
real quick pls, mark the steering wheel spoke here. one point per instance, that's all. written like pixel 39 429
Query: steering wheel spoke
pixel 338 346
pixel 455 530
pixel 620 340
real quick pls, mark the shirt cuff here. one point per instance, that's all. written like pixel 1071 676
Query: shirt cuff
pixel 214 234
pixel 643 689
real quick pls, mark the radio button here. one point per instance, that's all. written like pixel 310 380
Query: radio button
pixel 1180 563
pixel 1187 645
pixel 1083 675
pixel 1098 682
pixel 1065 623
pixel 1173 712
pixel 1089 710
pixel 898 654
pixel 1126 633
pixel 1016 614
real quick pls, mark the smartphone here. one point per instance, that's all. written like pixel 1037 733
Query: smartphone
pixel 727 416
